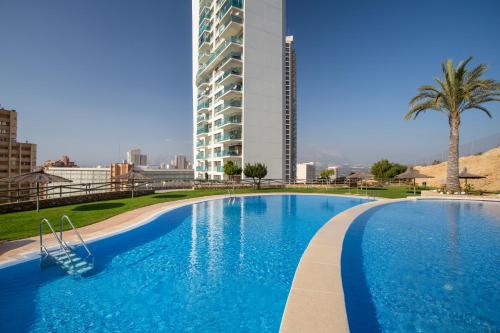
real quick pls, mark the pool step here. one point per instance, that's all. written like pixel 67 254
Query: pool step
pixel 70 262
pixel 65 256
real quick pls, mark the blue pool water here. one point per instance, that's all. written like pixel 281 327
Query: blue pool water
pixel 424 266
pixel 215 266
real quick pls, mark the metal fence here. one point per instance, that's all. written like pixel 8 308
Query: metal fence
pixel 51 191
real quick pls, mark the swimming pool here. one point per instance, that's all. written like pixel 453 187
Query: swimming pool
pixel 424 266
pixel 214 266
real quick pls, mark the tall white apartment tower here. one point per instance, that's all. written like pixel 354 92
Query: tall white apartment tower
pixel 290 112
pixel 238 91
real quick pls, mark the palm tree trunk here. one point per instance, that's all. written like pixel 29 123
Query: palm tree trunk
pixel 452 180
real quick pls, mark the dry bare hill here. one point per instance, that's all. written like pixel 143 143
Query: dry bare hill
pixel 486 164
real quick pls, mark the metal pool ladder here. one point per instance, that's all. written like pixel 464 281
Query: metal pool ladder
pixel 65 255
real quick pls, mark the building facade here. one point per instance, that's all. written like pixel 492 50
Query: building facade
pixel 180 162
pixel 290 112
pixel 306 172
pixel 135 157
pixel 64 162
pixel 81 175
pixel 15 157
pixel 238 91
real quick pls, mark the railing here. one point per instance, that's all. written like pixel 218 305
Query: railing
pixel 228 4
pixel 228 88
pixel 67 219
pixel 235 19
pixel 219 50
pixel 204 105
pixel 62 245
pixel 229 136
pixel 232 71
pixel 202 144
pixel 230 120
pixel 69 190
pixel 202 130
pixel 227 104
pixel 203 118
pixel 205 14
pixel 206 27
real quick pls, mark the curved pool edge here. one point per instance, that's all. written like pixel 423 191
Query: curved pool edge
pixel 316 299
pixel 18 251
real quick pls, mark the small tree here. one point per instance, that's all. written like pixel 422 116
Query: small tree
pixel 326 174
pixel 255 171
pixel 384 169
pixel 232 169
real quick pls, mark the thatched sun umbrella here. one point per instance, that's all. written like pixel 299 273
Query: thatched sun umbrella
pixel 39 177
pixel 363 176
pixel 412 174
pixel 132 176
pixel 466 175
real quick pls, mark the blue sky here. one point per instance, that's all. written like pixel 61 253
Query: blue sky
pixel 94 78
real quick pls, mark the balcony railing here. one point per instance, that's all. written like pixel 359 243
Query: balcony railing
pixel 202 130
pixel 228 88
pixel 202 168
pixel 227 104
pixel 204 105
pixel 201 143
pixel 230 120
pixel 204 39
pixel 228 4
pixel 205 14
pixel 236 135
pixel 203 118
pixel 205 27
pixel 205 93
pixel 219 168
pixel 232 71
pixel 200 82
pixel 228 152
pixel 235 19
pixel 219 50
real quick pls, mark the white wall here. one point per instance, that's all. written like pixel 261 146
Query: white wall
pixel 263 85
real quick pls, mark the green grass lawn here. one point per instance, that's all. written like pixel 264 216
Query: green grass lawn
pixel 26 224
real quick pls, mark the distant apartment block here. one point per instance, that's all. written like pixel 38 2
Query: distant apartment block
pixel 135 157
pixel 238 73
pixel 15 157
pixel 64 162
pixel 306 172
pixel 81 175
pixel 290 111
pixel 179 162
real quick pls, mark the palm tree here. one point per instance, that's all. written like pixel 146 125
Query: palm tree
pixel 461 89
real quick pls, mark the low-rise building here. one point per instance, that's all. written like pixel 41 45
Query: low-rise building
pixel 306 172
pixel 64 162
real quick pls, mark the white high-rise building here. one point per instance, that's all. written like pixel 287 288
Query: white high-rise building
pixel 238 91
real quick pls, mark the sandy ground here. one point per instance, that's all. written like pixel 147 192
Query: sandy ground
pixel 486 164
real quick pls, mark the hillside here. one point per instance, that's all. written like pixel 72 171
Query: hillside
pixel 486 164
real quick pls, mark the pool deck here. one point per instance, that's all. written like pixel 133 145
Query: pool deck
pixel 316 299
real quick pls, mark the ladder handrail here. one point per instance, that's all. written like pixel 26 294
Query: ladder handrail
pixel 66 218
pixel 62 246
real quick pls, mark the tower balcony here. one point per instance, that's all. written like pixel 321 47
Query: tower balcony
pixel 228 48
pixel 232 25
pixel 229 107
pixel 230 76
